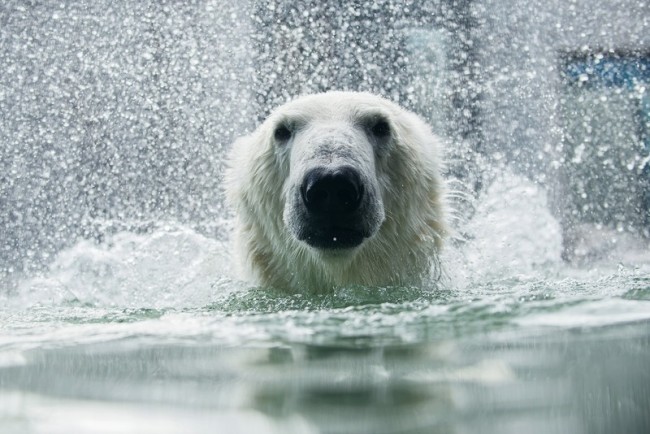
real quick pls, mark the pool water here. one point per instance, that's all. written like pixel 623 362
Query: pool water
pixel 151 333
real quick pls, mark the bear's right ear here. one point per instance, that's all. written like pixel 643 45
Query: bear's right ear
pixel 247 155
pixel 235 176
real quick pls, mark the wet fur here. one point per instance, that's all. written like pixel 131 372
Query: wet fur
pixel 405 249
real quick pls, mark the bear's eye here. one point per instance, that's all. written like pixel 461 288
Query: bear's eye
pixel 282 133
pixel 380 128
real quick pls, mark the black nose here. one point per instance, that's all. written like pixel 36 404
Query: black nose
pixel 332 193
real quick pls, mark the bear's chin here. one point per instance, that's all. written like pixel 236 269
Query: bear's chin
pixel 333 239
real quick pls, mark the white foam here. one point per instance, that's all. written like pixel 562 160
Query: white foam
pixel 169 267
pixel 511 233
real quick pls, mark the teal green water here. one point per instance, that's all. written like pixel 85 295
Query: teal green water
pixel 564 355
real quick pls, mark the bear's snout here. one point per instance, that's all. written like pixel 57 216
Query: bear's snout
pixel 332 194
pixel 334 209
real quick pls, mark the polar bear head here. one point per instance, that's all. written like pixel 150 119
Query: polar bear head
pixel 337 189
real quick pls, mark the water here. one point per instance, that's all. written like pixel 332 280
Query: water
pixel 149 332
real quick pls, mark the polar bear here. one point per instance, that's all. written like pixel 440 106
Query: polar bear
pixel 337 189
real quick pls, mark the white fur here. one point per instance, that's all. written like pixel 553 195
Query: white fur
pixel 264 175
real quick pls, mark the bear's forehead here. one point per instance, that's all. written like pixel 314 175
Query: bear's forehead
pixel 334 106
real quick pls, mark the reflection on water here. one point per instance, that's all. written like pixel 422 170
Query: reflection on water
pixel 571 381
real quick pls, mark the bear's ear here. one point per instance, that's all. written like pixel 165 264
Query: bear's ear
pixel 237 166
pixel 247 154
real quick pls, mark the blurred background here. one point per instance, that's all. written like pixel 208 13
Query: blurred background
pixel 115 115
